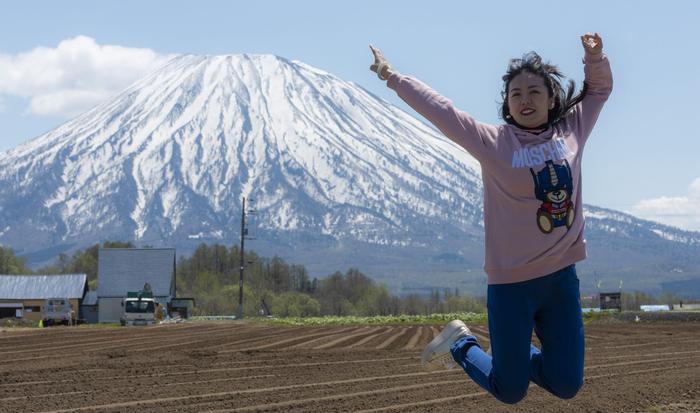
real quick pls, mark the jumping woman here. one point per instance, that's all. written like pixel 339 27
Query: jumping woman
pixel 533 221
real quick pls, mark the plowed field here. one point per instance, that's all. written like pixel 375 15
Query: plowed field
pixel 242 367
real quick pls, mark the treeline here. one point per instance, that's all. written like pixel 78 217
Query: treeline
pixel 82 262
pixel 273 286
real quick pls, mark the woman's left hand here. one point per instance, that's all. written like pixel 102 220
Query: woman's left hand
pixel 380 66
pixel 592 43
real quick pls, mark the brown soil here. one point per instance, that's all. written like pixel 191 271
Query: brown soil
pixel 249 367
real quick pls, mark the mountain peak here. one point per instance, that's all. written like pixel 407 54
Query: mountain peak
pixel 173 155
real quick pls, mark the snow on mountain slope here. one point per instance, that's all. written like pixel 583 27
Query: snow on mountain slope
pixel 174 154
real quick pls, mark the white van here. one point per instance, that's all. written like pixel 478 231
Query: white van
pixel 57 311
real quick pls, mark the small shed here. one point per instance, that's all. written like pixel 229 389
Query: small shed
pixel 120 270
pixel 181 306
pixel 88 308
pixel 23 296
pixel 611 301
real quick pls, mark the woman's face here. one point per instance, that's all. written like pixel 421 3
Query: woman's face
pixel 528 100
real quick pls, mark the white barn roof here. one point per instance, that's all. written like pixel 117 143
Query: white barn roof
pixel 39 287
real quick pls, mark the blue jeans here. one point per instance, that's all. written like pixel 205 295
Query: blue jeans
pixel 551 305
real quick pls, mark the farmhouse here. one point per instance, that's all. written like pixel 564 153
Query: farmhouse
pixel 23 296
pixel 120 270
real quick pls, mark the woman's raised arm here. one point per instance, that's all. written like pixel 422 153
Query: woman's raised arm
pixel 476 137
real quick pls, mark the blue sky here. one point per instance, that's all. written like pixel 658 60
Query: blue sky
pixel 641 158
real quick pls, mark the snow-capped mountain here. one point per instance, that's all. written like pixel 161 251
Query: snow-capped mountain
pixel 338 177
pixel 172 157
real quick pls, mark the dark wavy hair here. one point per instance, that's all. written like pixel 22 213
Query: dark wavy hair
pixel 564 101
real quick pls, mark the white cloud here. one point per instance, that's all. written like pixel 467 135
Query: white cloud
pixel 74 76
pixel 681 211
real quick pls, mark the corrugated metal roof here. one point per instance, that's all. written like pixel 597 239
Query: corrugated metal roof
pixel 90 298
pixel 39 287
pixel 127 269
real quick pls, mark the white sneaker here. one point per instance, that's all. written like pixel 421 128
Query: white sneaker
pixel 437 353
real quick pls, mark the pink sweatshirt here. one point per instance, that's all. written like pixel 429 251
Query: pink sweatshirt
pixel 533 214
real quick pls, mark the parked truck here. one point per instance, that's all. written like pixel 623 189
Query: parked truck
pixel 57 311
pixel 139 308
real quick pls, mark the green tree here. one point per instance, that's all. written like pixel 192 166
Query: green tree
pixel 82 261
pixel 456 304
pixel 12 264
pixel 295 304
pixel 211 274
pixel 669 298
pixel 331 295
pixel 385 303
pixel 207 293
pixel 229 306
pixel 631 301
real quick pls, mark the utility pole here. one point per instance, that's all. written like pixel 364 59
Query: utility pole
pixel 244 236
pixel 240 281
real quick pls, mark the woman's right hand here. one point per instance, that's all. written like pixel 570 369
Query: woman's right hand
pixel 592 43
pixel 380 64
